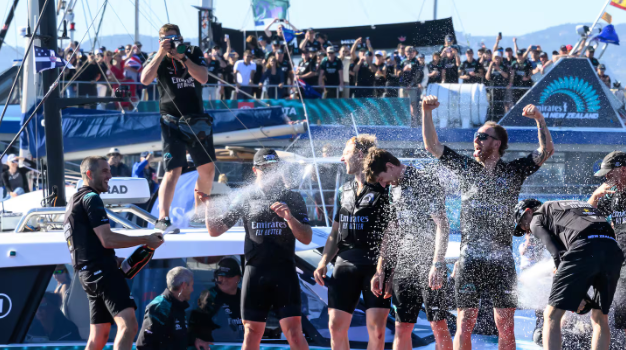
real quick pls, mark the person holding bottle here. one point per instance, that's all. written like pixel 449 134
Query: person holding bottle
pixel 91 243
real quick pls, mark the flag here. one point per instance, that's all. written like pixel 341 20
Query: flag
pixel 134 62
pixel 290 34
pixel 619 4
pixel 46 59
pixel 307 90
pixel 269 9
pixel 608 35
pixel 607 17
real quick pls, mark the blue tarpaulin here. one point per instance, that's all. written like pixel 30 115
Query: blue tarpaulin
pixel 85 129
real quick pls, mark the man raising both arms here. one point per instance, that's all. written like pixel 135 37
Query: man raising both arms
pixel 490 188
pixel 414 247
pixel 274 217
pixel 355 238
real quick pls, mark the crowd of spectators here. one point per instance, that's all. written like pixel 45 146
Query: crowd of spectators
pixel 326 70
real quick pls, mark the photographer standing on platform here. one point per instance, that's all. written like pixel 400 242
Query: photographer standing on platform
pixel 180 71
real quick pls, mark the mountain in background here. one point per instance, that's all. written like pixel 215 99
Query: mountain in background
pixel 550 39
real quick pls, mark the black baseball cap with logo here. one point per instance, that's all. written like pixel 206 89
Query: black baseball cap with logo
pixel 519 210
pixel 612 160
pixel 228 267
pixel 265 156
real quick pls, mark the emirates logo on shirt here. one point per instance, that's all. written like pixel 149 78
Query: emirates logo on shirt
pixel 271 228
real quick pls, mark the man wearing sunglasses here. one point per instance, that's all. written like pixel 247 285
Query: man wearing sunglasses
pixel 274 218
pixel 490 189
pixel 179 79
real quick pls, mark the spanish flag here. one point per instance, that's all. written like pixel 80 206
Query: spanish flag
pixel 619 4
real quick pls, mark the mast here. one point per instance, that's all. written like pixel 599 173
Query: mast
pixel 29 78
pixel 51 110
pixel 7 23
pixel 136 20
pixel 435 10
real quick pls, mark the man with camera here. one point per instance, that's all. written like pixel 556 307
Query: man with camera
pixel 180 71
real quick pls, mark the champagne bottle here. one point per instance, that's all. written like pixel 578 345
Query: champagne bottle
pixel 136 261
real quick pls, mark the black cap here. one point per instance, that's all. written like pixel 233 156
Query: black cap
pixel 265 156
pixel 601 66
pixel 276 42
pixel 520 208
pixel 508 49
pixel 138 43
pixel 228 267
pixel 469 51
pixel 520 52
pixel 612 160
pixel 591 49
pixel 449 37
pixel 563 48
pixel 543 53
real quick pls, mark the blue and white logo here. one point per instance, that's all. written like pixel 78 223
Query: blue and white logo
pixel 586 103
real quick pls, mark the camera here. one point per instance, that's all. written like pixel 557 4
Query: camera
pixel 123 91
pixel 177 43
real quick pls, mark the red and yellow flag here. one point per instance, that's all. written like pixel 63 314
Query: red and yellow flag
pixel 619 4
pixel 607 17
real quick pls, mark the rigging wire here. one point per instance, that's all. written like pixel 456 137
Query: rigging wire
pixel 85 15
pixel 26 54
pixel 166 11
pixel 421 8
pixel 144 16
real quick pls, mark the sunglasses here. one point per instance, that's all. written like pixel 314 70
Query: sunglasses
pixel 482 136
pixel 171 37
pixel 59 272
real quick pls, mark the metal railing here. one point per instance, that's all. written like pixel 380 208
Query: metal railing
pixel 54 216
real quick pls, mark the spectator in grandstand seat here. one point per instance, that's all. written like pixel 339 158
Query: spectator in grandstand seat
pixel 497 75
pixel 87 74
pixel 380 77
pixel 264 45
pixel 520 76
pixel 50 324
pixel 142 169
pixel 413 78
pixel 470 71
pixel 322 39
pixel 244 71
pixel 448 43
pixel 481 53
pixel 331 73
pixel 590 55
pixel 435 69
pixel 307 70
pixel 15 179
pixel 401 51
pixel 543 65
pixel 509 58
pixel 143 56
pixel 605 78
pixel 309 41
pixel 365 75
pixel 118 169
pixel 279 30
pixel 563 50
pixel 276 45
pixel 253 46
pixel 393 80
pixel 71 90
pixel 274 76
pixel 215 65
pixel 451 62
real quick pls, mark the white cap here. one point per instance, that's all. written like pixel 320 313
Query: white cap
pixel 12 158
pixel 497 54
pixel 378 53
pixel 113 150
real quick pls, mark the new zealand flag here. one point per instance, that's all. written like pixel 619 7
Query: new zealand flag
pixel 46 59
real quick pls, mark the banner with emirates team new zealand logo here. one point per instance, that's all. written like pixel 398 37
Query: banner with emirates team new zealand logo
pixel 571 95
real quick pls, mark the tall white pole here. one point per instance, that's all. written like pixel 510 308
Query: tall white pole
pixel 136 20
pixel 29 83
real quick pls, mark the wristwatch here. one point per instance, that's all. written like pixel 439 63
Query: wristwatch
pixel 184 59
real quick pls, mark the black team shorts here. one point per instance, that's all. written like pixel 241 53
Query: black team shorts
pixel 409 293
pixel 346 285
pixel 107 292
pixel 590 262
pixel 494 278
pixel 175 144
pixel 270 287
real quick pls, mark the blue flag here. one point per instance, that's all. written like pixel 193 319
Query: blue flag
pixel 308 91
pixel 269 9
pixel 46 59
pixel 290 34
pixel 608 35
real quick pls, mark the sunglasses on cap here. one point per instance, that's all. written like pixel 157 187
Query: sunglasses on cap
pixel 482 136
pixel 59 271
pixel 171 37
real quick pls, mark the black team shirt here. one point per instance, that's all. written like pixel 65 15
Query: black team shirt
pixel 417 197
pixel 559 223
pixel 331 70
pixel 451 69
pixel 269 240
pixel 215 69
pixel 614 205
pixel 432 66
pixel 177 88
pixel 487 200
pixel 362 218
pixel 305 67
pixel 85 212
pixel 521 70
pixel 467 67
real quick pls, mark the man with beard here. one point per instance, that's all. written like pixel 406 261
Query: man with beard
pixel 610 199
pixel 274 217
pixel 91 243
pixel 490 188
pixel 414 248
pixel 355 239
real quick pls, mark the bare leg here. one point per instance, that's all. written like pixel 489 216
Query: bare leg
pixel 98 336
pixel 292 328
pixel 505 321
pixel 206 173
pixel 552 328
pixel 126 329
pixel 402 340
pixel 166 191
pixel 601 332
pixel 465 322
pixel 443 339
pixel 253 335
pixel 339 323
pixel 376 325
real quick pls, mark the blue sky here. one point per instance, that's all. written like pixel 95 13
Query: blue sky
pixel 478 17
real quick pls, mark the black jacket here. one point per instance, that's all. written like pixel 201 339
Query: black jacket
pixel 24 172
pixel 121 170
pixel 164 324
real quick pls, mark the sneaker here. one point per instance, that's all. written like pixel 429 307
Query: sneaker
pixel 165 226
pixel 197 221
